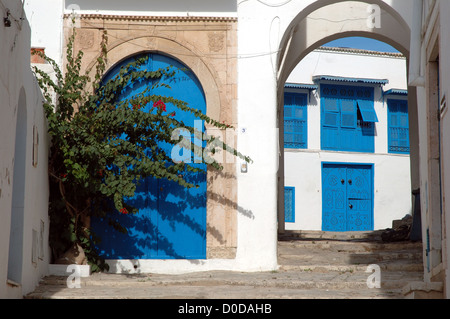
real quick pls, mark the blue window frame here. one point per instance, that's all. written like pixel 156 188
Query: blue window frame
pixel 295 121
pixel 348 118
pixel 398 126
pixel 289 204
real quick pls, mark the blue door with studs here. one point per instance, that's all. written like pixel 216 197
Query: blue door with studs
pixel 171 222
pixel 347 197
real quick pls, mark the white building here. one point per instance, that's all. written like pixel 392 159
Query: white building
pixel 243 57
pixel 315 160
pixel 24 252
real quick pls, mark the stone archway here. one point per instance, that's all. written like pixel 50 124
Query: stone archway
pixel 325 21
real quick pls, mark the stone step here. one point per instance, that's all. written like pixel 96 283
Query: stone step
pixel 413 267
pixel 228 292
pixel 326 235
pixel 342 246
pixel 313 265
pixel 356 282
pixel 353 258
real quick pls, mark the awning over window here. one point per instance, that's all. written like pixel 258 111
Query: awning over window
pixel 367 109
pixel 396 92
pixel 301 86
pixel 352 80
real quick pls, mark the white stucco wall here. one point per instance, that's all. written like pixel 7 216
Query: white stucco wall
pixel 392 182
pixel 45 19
pixel 23 186
pixel 436 32
pixel 254 252
pixel 445 88
pixel 270 43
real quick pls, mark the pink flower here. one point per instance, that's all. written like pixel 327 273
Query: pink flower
pixel 124 211
pixel 160 104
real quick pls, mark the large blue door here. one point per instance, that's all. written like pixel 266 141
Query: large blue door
pixel 171 222
pixel 347 202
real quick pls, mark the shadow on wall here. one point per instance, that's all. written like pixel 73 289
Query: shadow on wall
pixel 169 225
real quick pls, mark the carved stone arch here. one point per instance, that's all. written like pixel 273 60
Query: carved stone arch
pixel 127 47
pixel 217 82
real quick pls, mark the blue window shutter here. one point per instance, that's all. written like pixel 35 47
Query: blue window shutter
pixel 398 127
pixel 367 109
pixel 295 121
pixel 289 204
pixel 330 112
pixel 348 114
pixel 330 123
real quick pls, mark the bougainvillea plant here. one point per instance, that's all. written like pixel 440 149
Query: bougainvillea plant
pixel 99 141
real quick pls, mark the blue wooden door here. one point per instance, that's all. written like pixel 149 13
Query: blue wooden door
pixel 171 222
pixel 347 197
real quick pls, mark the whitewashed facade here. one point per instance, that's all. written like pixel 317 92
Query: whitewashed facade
pixel 391 195
pixel 273 37
pixel 24 252
pixel 430 62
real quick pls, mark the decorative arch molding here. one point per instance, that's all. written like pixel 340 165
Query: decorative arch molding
pixel 326 20
pixel 129 46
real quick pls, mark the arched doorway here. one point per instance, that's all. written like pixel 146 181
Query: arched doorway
pixel 346 140
pixel 325 21
pixel 171 222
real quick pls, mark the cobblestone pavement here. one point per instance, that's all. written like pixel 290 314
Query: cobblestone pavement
pixel 321 267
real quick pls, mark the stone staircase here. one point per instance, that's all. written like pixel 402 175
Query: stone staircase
pixel 338 265
pixel 313 265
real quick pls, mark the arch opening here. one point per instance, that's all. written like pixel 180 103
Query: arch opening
pixel 325 21
pixel 317 25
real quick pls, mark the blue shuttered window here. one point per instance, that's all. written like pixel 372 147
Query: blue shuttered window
pixel 289 204
pixel 348 117
pixel 295 121
pixel 398 126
